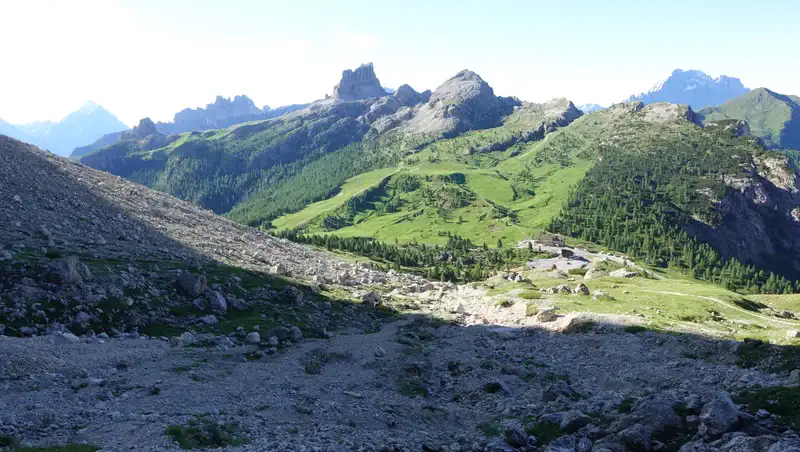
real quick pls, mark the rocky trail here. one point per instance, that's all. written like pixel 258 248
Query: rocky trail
pixel 416 384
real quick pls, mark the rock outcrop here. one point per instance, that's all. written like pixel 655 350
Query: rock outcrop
pixel 358 84
pixel 463 102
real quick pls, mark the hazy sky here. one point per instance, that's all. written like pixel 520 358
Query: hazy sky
pixel 152 58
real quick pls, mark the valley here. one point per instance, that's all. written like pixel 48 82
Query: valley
pixel 445 270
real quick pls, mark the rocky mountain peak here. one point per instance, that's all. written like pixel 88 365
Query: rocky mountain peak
pixel 463 102
pixel 694 88
pixel 145 128
pixel 361 83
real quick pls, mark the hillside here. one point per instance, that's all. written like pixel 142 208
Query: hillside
pixel 260 170
pixel 12 131
pixel 685 192
pixel 140 305
pixel 694 88
pixel 463 164
pixel 773 117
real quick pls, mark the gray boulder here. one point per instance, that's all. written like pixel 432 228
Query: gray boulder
pixel 371 298
pixel 69 270
pixel 637 437
pixel 718 416
pixel 253 338
pixel 623 273
pixel 546 315
pixel 217 302
pixel 572 421
pixel 192 285
pixel 65 338
pixel 566 443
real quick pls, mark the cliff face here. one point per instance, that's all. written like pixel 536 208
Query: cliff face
pixel 760 217
pixel 361 83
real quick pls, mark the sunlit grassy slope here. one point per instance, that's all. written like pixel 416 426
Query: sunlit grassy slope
pixel 499 204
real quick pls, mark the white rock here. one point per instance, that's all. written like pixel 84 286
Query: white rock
pixel 188 338
pixel 253 338
pixel 623 273
pixel 280 269
pixel 792 334
pixel 176 341
pixel 209 320
pixel 65 338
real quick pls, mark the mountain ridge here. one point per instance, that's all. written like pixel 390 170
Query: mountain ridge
pixel 772 117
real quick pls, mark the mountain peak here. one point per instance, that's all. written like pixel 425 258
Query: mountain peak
pixel 89 107
pixel 361 83
pixel 693 87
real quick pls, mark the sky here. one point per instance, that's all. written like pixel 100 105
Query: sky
pixel 152 58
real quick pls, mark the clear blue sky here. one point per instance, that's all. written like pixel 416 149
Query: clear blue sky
pixel 151 58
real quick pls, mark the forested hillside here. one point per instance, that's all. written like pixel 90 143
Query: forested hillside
pixel 411 167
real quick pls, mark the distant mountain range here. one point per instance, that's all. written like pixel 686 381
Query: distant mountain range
pixel 694 88
pixel 588 108
pixel 81 127
pixel 221 113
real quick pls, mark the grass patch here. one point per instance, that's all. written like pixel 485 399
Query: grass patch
pixel 531 309
pixel 626 405
pixel 505 303
pixel 202 432
pixel 413 387
pixel 772 358
pixel 782 401
pixel 544 432
pixel 530 295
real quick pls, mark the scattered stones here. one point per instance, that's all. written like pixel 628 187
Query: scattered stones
pixel 566 443
pixel 556 390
